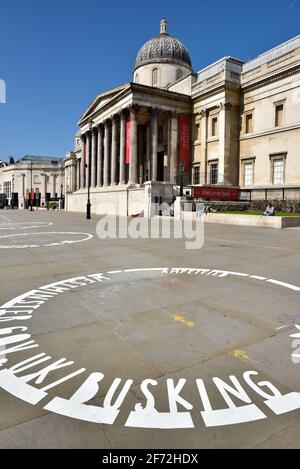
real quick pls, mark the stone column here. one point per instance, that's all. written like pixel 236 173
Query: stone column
pixel 141 154
pixel 61 183
pixel 154 143
pixel 82 163
pixel 173 147
pixel 133 145
pixel 88 160
pixel 22 191
pixel 22 185
pixel 114 150
pixel 203 138
pixel 44 187
pixel 72 182
pixel 224 139
pixel 77 175
pixel 148 154
pixel 53 184
pixel 106 154
pixel 93 158
pixel 122 147
pixel 99 156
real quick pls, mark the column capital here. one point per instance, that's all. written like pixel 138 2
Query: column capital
pixel 225 106
pixel 134 109
pixel 153 111
pixel 107 122
pixel 172 113
pixel 204 112
pixel 114 118
pixel 123 113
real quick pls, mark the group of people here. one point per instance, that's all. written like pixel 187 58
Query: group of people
pixel 205 208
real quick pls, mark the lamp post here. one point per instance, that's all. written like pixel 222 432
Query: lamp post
pixel 31 192
pixel 181 171
pixel 88 205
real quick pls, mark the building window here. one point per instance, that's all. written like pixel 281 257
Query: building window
pixel 36 180
pixel 248 174
pixel 214 126
pixel 178 74
pixel 278 171
pixel 155 77
pixel 7 189
pixel 214 173
pixel 278 115
pixel 249 123
pixel 137 80
pixel 197 174
pixel 196 131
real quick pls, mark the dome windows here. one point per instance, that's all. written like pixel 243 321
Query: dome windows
pixel 178 74
pixel 155 77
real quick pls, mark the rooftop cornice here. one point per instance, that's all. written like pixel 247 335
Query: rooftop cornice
pixel 289 70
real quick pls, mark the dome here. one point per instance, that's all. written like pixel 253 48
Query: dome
pixel 163 48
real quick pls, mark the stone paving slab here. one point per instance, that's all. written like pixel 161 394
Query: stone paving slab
pixel 145 325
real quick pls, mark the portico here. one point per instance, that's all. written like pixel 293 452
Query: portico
pixel 127 140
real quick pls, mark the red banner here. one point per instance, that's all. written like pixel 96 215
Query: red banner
pixel 127 142
pixel 215 193
pixel 185 141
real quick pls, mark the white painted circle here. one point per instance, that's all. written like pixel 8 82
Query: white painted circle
pixel 51 238
pixel 77 404
pixel 24 225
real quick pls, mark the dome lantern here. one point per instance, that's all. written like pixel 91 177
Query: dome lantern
pixel 163 26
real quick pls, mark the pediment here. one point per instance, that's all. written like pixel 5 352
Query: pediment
pixel 101 100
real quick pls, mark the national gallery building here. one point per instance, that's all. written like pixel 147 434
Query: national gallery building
pixel 233 124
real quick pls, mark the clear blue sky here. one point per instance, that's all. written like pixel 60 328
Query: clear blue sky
pixel 56 55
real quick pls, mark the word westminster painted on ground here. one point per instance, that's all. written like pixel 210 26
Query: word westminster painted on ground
pixel 15 379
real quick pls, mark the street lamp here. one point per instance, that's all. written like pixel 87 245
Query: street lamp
pixel 181 171
pixel 61 191
pixel 88 205
pixel 31 191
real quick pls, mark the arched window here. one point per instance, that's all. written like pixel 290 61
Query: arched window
pixel 178 74
pixel 155 77
pixel 137 78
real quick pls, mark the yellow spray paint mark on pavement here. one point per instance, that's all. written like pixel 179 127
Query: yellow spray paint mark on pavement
pixel 239 353
pixel 183 320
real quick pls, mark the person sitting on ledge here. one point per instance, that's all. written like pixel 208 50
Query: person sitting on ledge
pixel 270 211
pixel 202 209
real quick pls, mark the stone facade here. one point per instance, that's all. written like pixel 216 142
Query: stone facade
pixel 247 122
pixel 244 129
pixel 44 176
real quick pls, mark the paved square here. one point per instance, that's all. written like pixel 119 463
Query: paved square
pixel 153 339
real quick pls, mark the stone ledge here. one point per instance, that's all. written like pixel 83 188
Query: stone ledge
pixel 246 220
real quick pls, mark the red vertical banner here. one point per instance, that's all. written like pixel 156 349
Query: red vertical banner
pixel 127 142
pixel 185 141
